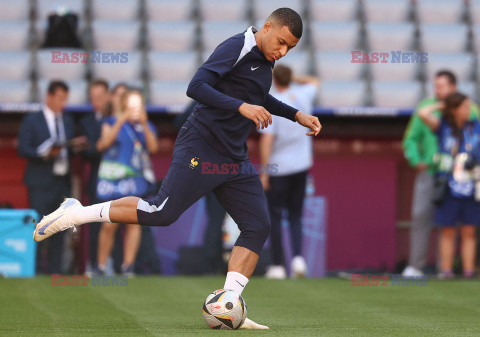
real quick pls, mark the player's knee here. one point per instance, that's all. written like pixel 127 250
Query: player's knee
pixel 262 230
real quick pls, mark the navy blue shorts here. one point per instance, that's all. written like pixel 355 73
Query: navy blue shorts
pixel 453 210
pixel 196 169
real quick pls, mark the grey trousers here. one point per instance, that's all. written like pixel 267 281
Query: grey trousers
pixel 422 215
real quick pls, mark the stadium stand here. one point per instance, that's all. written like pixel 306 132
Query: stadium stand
pixel 166 40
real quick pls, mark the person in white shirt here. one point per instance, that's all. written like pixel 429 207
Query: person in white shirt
pixel 286 157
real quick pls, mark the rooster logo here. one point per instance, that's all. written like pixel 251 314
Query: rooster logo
pixel 193 162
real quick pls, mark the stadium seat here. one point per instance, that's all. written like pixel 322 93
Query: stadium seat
pixel 14 10
pixel 116 35
pixel 15 91
pixel 231 10
pixel 342 93
pixel 333 10
pixel 179 66
pixel 48 70
pixel 335 36
pixel 169 92
pixel 390 36
pixel 127 10
pixel 462 64
pixel 337 66
pixel 215 32
pixel 444 38
pixel 129 71
pixel 46 7
pixel 394 71
pixel 169 10
pixel 16 65
pixel 396 94
pixel 299 61
pixel 171 36
pixel 77 91
pixel 15 35
pixel 263 8
pixel 386 11
pixel 474 11
pixel 476 37
pixel 439 11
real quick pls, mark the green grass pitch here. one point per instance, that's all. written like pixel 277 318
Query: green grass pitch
pixel 171 306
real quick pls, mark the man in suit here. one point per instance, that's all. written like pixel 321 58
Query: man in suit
pixel 91 127
pixel 42 140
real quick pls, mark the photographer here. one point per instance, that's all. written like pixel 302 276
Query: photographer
pixel 458 151
pixel 127 140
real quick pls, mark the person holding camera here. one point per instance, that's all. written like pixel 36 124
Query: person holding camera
pixel 127 140
pixel 456 192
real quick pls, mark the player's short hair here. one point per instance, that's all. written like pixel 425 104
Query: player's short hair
pixel 282 75
pixel 288 17
pixel 100 82
pixel 452 79
pixel 54 85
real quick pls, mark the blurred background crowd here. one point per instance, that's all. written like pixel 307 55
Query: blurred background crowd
pixel 361 197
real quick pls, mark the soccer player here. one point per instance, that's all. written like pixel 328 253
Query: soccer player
pixel 232 90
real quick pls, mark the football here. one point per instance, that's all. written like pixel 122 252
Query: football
pixel 224 309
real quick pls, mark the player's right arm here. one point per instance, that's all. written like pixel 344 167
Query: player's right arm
pixel 201 87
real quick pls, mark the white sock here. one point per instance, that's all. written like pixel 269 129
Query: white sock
pixel 94 213
pixel 236 282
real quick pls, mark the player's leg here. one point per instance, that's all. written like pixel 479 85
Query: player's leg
pixel 296 196
pixel 243 198
pixel 105 243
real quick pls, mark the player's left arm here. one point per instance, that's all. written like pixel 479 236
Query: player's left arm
pixel 281 109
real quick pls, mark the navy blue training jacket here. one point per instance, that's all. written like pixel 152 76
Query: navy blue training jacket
pixel 235 73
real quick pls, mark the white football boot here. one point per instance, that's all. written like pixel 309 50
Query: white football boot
pixel 298 267
pixel 251 325
pixel 56 221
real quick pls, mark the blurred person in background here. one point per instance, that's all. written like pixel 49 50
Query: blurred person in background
pixel 91 127
pixel 420 145
pixel 127 140
pixel 43 139
pixel 286 156
pixel 456 197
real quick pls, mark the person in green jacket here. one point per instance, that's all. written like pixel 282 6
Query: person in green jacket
pixel 419 146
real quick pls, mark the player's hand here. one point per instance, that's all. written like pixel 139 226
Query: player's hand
pixel 310 122
pixel 256 113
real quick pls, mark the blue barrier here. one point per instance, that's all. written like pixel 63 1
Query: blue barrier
pixel 17 248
